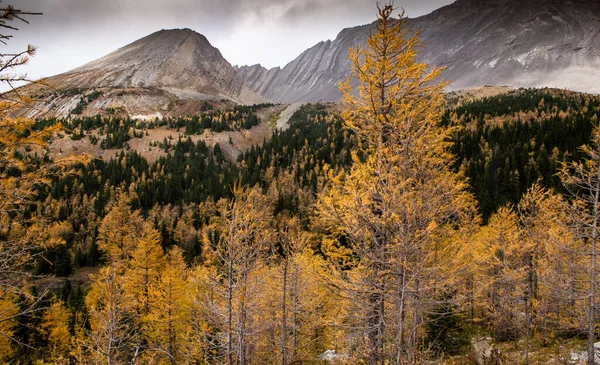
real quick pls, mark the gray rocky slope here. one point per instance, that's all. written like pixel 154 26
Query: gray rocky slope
pixel 178 61
pixel 529 43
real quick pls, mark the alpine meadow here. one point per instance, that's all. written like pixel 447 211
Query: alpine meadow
pixel 417 191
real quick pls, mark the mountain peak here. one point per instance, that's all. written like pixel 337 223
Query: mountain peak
pixel 177 32
pixel 181 30
pixel 179 61
pixel 170 37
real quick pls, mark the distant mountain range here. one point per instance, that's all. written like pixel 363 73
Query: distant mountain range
pixel 530 43
pixel 519 43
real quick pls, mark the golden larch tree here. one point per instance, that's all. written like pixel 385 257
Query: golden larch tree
pixel 236 244
pixel 55 327
pixel 167 321
pixel 399 206
pixel 582 181
pixel 120 231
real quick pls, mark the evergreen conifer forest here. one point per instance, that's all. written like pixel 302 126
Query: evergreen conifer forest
pixel 395 227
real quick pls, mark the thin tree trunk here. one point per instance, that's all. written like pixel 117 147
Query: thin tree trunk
pixel 592 320
pixel 171 329
pixel 229 312
pixel 230 283
pixel 376 321
pixel 528 303
pixel 572 281
pixel 112 318
pixel 109 357
pixel 415 321
pixel 381 329
pixel 242 322
pixel 400 331
pixel 531 295
pixel 472 299
pixel 295 314
pixel 284 315
pixel 592 310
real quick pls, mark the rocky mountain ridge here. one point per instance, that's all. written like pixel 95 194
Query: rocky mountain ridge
pixel 179 61
pixel 536 43
pixel 151 76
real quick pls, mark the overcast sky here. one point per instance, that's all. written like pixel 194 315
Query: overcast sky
pixel 71 33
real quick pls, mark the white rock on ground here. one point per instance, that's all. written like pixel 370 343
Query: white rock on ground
pixel 284 117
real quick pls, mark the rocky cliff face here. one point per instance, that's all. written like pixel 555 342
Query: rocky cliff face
pixel 533 43
pixel 313 75
pixel 530 43
pixel 179 61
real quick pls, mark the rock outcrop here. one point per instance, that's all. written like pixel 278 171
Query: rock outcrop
pixel 483 353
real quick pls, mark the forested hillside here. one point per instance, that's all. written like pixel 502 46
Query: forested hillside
pixel 510 141
pixel 503 145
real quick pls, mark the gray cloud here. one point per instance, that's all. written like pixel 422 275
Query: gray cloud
pixel 222 13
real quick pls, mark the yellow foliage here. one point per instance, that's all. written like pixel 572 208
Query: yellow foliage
pixel 108 308
pixel 9 310
pixel 143 270
pixel 119 231
pixel 400 209
pixel 20 179
pixel 167 320
pixel 397 95
pixel 55 327
pixel 200 294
